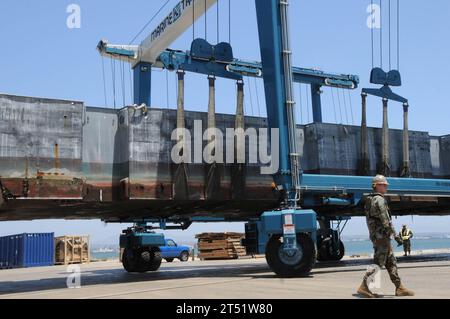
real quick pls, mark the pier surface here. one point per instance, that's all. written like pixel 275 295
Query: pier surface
pixel 427 274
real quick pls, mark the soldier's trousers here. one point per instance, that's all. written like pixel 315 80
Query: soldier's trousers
pixel 384 257
pixel 407 246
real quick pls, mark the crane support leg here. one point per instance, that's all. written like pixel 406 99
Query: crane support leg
pixel 271 232
pixel 364 165
pixel 140 249
pixel 269 22
pixel 287 236
pixel 316 92
pixel 142 83
pixel 180 101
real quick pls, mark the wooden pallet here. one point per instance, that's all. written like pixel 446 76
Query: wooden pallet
pixel 220 246
pixel 218 236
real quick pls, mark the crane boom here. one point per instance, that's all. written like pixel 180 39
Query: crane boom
pixel 181 18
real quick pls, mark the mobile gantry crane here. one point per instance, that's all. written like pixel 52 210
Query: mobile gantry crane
pixel 287 236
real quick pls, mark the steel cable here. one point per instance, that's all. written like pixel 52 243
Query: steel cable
pixel 150 21
pixel 104 80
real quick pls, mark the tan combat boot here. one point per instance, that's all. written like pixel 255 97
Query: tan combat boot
pixel 401 291
pixel 364 291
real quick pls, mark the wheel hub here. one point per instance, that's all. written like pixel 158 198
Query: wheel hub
pixel 290 257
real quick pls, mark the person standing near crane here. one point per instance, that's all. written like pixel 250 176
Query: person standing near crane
pixel 406 234
pixel 381 231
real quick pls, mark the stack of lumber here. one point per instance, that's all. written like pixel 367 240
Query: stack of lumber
pixel 220 246
pixel 72 250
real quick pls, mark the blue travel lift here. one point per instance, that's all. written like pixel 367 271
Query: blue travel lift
pixel 288 236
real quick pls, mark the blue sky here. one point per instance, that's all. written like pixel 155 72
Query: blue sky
pixel 40 56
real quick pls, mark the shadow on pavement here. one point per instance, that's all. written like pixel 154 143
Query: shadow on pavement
pixel 251 270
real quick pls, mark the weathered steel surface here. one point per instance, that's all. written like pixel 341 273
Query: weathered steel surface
pixel 60 159
pixel 336 149
pixel 40 147
pixel 105 155
pixel 444 156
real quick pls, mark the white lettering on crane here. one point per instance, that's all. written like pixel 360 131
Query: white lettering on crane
pixel 171 18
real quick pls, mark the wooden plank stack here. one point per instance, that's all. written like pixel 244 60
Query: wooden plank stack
pixel 72 250
pixel 215 246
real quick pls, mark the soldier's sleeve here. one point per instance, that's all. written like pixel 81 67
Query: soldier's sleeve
pixel 385 219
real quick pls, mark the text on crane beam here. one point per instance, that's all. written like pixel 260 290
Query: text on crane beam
pixel 171 18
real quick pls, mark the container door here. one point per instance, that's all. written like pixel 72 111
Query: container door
pixel 38 250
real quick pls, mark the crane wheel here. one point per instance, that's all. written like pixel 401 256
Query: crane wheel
pixel 155 262
pixel 133 260
pixel 141 260
pixel 296 265
pixel 325 252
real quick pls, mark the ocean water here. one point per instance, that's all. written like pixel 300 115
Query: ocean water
pixel 354 245
pixel 363 246
pixel 104 255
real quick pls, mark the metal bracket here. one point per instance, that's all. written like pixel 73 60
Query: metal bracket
pixel 385 92
pixel 387 79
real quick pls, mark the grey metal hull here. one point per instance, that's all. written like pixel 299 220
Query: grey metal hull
pixel 60 159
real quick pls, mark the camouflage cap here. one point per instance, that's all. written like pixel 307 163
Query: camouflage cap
pixel 379 180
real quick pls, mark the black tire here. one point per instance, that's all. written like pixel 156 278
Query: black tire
pixel 128 261
pixel 299 266
pixel 325 253
pixel 169 260
pixel 135 260
pixel 155 262
pixel 184 256
pixel 341 252
pixel 141 260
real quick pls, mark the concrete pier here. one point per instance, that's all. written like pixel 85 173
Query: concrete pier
pixel 428 275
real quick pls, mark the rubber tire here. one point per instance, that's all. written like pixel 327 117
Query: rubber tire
pixel 127 263
pixel 324 251
pixel 184 256
pixel 155 262
pixel 141 260
pixel 341 252
pixel 302 268
pixel 135 261
pixel 169 260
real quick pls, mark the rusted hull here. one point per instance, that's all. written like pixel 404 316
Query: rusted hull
pixel 60 159
pixel 229 210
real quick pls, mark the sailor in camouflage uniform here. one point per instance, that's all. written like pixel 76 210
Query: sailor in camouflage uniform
pixel 381 231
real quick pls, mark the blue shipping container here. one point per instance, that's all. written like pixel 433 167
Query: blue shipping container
pixel 27 250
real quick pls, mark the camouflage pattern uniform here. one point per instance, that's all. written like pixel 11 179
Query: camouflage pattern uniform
pixel 381 230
